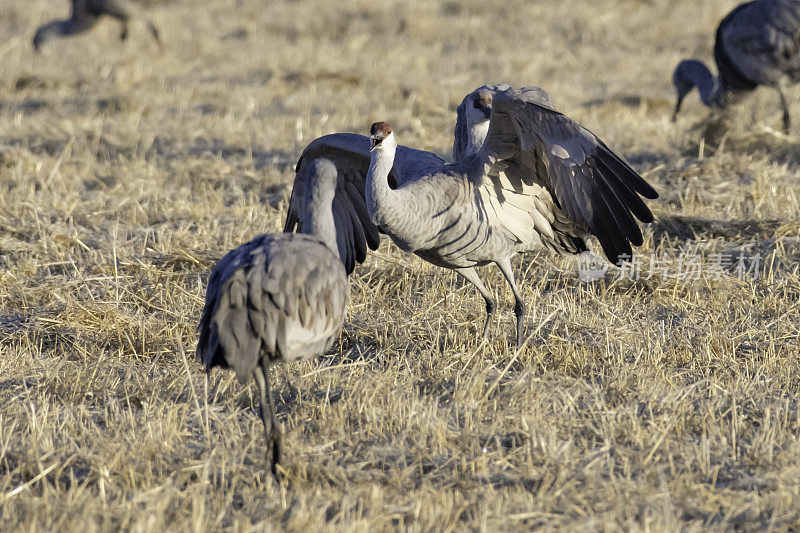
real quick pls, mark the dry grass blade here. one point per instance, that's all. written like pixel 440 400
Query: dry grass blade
pixel 28 484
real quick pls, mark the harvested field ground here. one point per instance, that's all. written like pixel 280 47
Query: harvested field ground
pixel 126 172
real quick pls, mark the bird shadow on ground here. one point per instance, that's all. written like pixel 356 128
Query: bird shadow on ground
pixel 54 340
pixel 302 77
pixel 350 352
pixel 288 396
pixel 109 105
pixel 13 387
pixel 768 246
pixel 669 229
pixel 354 350
pixel 647 160
pixel 39 146
pixel 104 149
pixel 632 101
pixel 161 148
pixel 26 106
pixel 13 322
pixel 26 82
pixel 253 77
pixel 170 151
pixel 721 132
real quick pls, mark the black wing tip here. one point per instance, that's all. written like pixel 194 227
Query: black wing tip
pixel 291 223
pixel 652 194
pixel 616 257
pixel 615 232
pixel 373 244
pixel 626 172
pixel 578 243
pixel 615 207
pixel 647 218
pixel 626 195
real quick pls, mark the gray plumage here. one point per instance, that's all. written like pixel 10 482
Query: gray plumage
pixel 279 297
pixel 350 153
pixel 355 233
pixel 539 180
pixel 86 13
pixel 758 43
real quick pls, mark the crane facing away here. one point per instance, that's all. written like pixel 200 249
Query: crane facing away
pixel 758 43
pixel 279 297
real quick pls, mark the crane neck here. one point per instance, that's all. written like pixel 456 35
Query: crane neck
pixel 711 90
pixel 316 217
pixel 378 194
pixel 56 28
pixel 322 227
pixel 477 134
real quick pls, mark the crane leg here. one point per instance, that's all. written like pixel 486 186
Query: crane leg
pixel 787 121
pixel 470 275
pixel 154 33
pixel 519 305
pixel 271 427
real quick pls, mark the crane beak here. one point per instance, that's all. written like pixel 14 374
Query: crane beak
pixel 376 141
pixel 677 109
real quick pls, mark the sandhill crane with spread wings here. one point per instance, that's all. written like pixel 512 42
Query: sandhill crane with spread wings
pixel 350 153
pixel 279 297
pixel 86 13
pixel 539 180
pixel 758 43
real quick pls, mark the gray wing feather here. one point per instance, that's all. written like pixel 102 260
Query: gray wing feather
pixel 538 96
pixel 460 134
pixel 279 294
pixel 344 235
pixel 349 152
pixel 595 188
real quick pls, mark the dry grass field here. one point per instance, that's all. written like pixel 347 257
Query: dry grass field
pixel 636 404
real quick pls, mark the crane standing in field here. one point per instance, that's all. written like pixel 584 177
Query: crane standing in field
pixel 538 180
pixel 351 152
pixel 85 15
pixel 758 43
pixel 279 297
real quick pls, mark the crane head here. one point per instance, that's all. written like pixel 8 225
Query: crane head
pixel 482 102
pixel 472 119
pixel 478 107
pixel 684 80
pixel 380 134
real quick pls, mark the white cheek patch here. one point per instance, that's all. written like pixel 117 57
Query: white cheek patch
pixel 559 151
